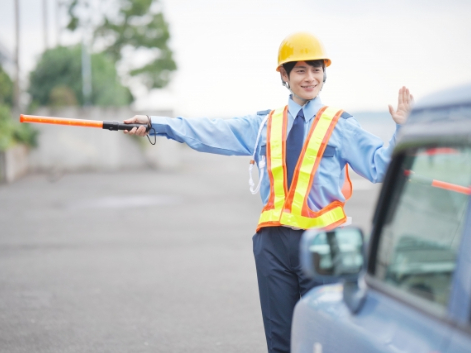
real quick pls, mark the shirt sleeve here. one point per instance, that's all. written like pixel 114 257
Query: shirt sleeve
pixel 235 136
pixel 365 152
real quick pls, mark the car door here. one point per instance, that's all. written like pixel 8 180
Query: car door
pixel 417 280
pixel 416 255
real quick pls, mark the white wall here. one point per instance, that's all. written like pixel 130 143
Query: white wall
pixel 68 148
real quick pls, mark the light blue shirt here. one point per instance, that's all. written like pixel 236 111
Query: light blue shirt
pixel 349 143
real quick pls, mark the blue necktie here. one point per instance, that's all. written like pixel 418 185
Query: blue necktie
pixel 294 145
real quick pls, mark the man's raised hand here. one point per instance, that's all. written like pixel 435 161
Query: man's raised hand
pixel 404 106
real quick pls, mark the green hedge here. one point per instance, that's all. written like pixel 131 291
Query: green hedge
pixel 13 132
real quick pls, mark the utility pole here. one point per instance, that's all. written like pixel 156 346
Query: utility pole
pixel 16 100
pixel 46 41
pixel 86 59
pixel 86 75
pixel 58 23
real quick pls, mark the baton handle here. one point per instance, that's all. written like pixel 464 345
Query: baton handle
pixel 115 126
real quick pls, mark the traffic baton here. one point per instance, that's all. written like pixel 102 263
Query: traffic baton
pixel 107 125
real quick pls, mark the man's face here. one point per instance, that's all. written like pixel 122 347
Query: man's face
pixel 305 81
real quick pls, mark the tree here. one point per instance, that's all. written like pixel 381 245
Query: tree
pixel 6 88
pixel 57 80
pixel 138 25
pixel 11 131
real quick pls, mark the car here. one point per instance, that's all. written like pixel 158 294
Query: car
pixel 408 288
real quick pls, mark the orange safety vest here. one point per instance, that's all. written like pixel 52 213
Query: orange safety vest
pixel 289 207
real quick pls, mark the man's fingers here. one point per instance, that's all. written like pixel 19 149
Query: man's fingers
pixel 404 99
pixel 137 119
pixel 406 95
pixel 399 97
pixel 403 94
pixel 404 105
pixel 140 131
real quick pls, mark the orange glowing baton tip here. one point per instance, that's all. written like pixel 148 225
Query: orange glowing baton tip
pixel 60 121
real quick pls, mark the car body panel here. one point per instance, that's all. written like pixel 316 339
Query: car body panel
pixel 459 307
pixel 460 342
pixel 322 319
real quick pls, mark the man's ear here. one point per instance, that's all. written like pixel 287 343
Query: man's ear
pixel 283 74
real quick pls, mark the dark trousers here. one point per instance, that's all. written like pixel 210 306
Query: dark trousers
pixel 281 282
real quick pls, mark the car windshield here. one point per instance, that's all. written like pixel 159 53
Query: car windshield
pixel 418 244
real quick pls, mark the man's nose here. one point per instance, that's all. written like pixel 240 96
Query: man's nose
pixel 310 76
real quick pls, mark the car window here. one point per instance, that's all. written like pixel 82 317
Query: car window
pixel 419 241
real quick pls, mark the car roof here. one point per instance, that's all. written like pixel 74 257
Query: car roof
pixel 453 96
pixel 437 106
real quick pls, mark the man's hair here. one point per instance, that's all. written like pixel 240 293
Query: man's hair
pixel 315 63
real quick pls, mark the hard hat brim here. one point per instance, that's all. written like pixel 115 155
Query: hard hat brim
pixel 327 62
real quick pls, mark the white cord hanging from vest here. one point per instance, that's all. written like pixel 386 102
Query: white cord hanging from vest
pixel 261 162
pixel 261 166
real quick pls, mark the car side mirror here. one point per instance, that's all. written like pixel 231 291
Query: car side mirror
pixel 333 255
pixel 337 255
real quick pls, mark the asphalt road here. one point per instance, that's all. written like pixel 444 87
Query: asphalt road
pixel 136 261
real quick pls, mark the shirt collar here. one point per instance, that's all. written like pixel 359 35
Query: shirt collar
pixel 310 109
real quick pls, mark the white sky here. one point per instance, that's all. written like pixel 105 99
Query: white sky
pixel 226 51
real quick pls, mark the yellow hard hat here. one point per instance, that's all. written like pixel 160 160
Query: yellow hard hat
pixel 301 46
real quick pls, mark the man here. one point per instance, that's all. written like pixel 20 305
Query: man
pixel 302 151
